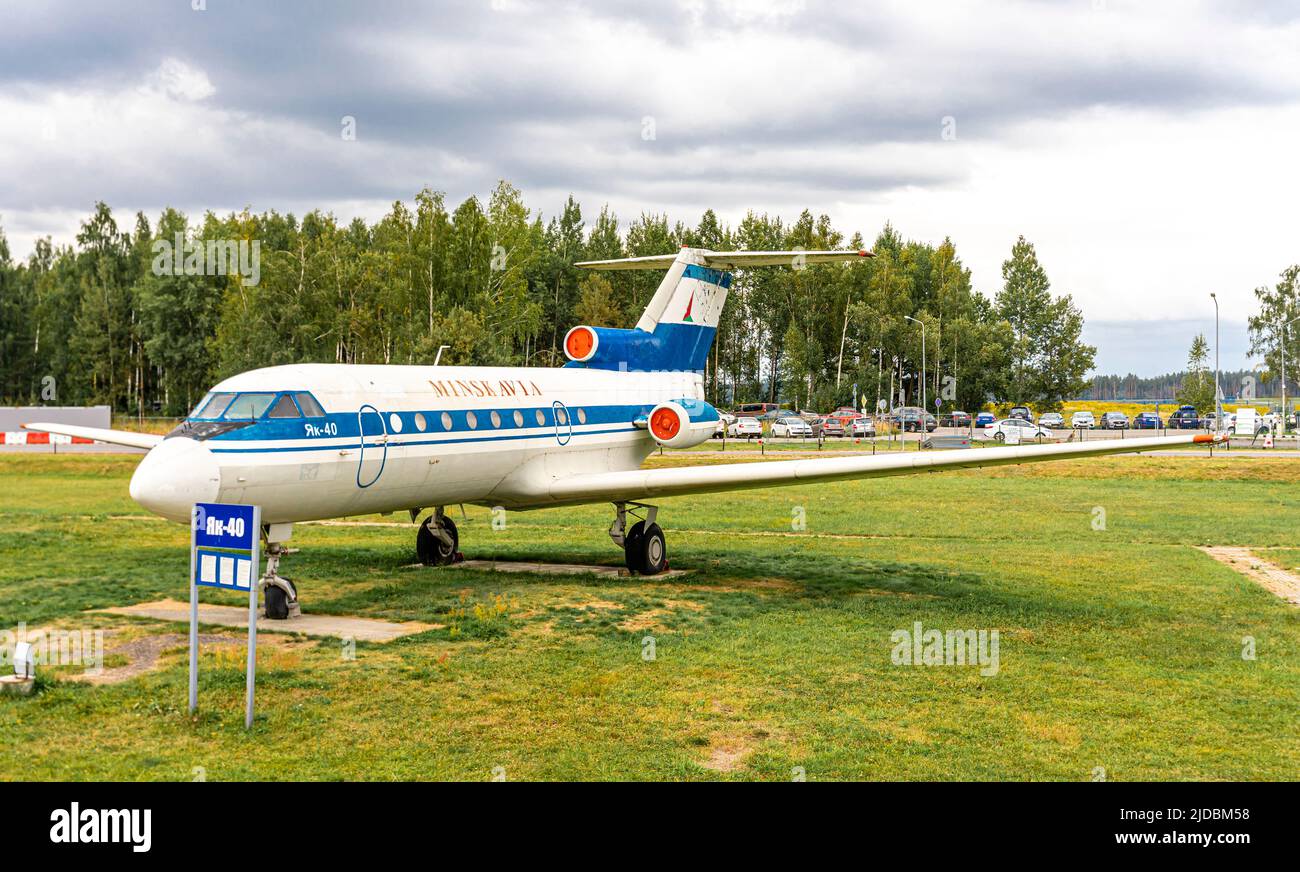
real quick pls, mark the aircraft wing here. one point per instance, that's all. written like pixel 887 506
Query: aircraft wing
pixel 642 484
pixel 114 437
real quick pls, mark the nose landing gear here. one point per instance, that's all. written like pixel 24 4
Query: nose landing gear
pixel 436 541
pixel 278 593
pixel 645 551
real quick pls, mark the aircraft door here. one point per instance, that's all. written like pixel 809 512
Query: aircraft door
pixel 563 422
pixel 374 445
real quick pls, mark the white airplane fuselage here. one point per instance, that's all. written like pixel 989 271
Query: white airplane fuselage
pixel 395 438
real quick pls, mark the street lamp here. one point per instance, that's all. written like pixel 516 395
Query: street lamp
pixel 924 408
pixel 1218 397
pixel 1285 324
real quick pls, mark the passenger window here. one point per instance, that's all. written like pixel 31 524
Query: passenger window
pixel 309 406
pixel 248 406
pixel 284 408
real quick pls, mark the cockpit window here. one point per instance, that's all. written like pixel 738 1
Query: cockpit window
pixel 283 408
pixel 212 406
pixel 247 406
pixel 309 406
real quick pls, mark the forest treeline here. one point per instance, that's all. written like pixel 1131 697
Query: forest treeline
pixel 122 317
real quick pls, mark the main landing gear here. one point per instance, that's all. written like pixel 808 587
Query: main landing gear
pixel 436 541
pixel 644 548
pixel 278 593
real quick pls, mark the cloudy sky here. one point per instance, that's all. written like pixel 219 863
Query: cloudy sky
pixel 1147 149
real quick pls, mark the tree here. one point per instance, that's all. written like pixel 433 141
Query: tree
pixel 596 304
pixel 1277 306
pixel 1197 388
pixel 1049 358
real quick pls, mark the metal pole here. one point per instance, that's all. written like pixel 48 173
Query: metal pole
pixel 1218 402
pixel 925 410
pixel 255 574
pixel 194 618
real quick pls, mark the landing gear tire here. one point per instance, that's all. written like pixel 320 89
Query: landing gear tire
pixel 432 550
pixel 632 546
pixel 277 601
pixel 646 550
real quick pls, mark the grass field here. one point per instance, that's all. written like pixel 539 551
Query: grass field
pixel 1120 648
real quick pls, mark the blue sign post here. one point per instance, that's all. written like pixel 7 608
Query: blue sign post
pixel 224 553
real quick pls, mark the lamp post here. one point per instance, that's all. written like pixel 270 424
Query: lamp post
pixel 920 436
pixel 1285 324
pixel 1218 402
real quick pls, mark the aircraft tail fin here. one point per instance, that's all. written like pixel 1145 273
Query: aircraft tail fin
pixel 677 328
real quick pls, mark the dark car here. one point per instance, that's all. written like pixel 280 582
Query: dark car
pixel 910 418
pixel 983 419
pixel 1146 421
pixel 1185 419
pixel 1022 412
pixel 955 419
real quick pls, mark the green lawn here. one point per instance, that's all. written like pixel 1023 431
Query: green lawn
pixel 1119 648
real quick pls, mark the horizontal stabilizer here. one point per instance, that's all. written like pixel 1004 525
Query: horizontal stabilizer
pixel 729 259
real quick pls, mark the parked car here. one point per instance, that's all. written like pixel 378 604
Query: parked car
pixel 955 419
pixel 791 426
pixel 755 410
pixel 745 428
pixel 1147 421
pixel 1114 421
pixel 862 426
pixel 998 430
pixel 1185 419
pixel 845 414
pixel 827 427
pixel 1083 421
pixel 910 418
pixel 983 419
pixel 1052 420
pixel 1021 412
pixel 725 420
pixel 1229 421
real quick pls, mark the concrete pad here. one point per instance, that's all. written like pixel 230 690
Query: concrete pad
pixel 1270 576
pixel 337 626
pixel 557 569
pixel 12 684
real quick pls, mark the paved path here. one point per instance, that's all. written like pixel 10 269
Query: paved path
pixel 338 626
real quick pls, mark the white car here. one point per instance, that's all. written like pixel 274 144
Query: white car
pixel 1083 421
pixel 725 420
pixel 998 430
pixel 745 428
pixel 1051 420
pixel 791 428
pixel 861 426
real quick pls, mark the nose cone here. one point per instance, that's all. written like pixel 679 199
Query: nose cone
pixel 174 475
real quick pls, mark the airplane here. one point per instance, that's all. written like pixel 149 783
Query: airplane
pixel 312 441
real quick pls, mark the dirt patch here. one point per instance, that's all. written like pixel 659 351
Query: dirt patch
pixel 726 757
pixel 1270 576
pixel 143 655
pixel 1065 735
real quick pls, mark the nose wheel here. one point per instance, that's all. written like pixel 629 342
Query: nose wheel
pixel 279 594
pixel 645 551
pixel 436 541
